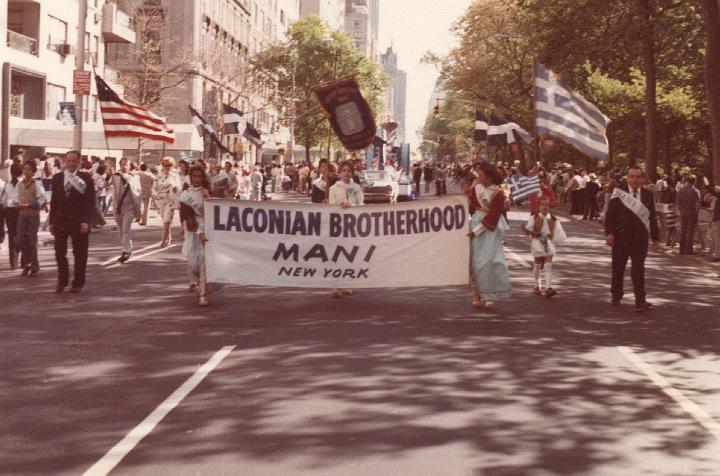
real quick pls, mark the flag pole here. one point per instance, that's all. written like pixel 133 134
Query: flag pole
pixel 536 140
pixel 107 141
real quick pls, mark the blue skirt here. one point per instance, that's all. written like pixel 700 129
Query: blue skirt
pixel 489 269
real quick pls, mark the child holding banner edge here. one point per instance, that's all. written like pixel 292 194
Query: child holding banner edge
pixel 345 193
pixel 192 202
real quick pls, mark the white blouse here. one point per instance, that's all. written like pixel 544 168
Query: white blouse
pixel 350 193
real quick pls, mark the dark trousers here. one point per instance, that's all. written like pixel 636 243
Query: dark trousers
pixel 637 252
pixel 11 218
pixel 80 245
pixel 591 208
pixel 417 187
pixel 688 224
pixel 440 187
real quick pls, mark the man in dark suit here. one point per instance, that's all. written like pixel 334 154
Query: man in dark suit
pixel 71 210
pixel 629 224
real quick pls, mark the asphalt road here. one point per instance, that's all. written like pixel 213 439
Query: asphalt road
pixel 390 382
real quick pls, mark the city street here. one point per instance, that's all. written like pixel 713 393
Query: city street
pixel 271 381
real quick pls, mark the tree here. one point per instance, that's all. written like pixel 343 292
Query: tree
pixel 314 55
pixel 711 17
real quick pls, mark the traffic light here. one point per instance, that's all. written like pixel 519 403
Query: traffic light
pixel 436 110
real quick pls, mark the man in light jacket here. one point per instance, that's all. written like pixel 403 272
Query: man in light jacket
pixel 128 206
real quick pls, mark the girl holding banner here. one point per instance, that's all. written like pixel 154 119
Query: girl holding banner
pixel 192 201
pixel 490 276
pixel 345 193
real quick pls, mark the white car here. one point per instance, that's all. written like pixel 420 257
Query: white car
pixel 379 187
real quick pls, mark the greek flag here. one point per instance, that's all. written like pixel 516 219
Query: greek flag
pixel 564 114
pixel 481 127
pixel 522 187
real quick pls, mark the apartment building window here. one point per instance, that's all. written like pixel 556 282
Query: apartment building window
pixel 57 32
pixel 27 96
pixel 55 95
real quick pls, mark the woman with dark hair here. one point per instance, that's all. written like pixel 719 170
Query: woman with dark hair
pixel 9 199
pixel 490 276
pixel 192 201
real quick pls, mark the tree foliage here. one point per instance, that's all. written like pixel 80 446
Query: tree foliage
pixel 311 56
pixel 598 48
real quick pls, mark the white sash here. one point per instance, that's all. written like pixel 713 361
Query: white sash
pixel 78 184
pixel 635 205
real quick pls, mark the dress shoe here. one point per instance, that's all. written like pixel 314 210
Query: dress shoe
pixel 715 260
pixel 123 258
pixel 59 289
pixel 34 273
pixel 25 272
pixel 615 302
pixel 642 306
pixel 75 289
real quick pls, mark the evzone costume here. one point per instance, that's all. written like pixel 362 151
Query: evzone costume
pixel 546 232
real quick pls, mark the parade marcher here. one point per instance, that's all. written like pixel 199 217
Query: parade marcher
pixel 325 179
pixel 546 232
pixel 71 210
pixel 630 223
pixel 256 184
pixel 417 173
pixel 233 176
pixel 592 189
pixel 716 225
pixel 167 189
pixel 345 193
pixel 490 275
pixel 219 181
pixel 99 179
pixel 671 225
pixel 688 202
pixel 303 173
pixel 429 176
pixel 440 180
pixel 9 201
pixel 147 182
pixel 192 202
pixel 31 198
pixel 128 206
pixel 545 192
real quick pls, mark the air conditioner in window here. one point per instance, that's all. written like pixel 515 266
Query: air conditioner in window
pixel 64 49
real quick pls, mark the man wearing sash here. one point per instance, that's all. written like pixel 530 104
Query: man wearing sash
pixel 629 225
pixel 71 210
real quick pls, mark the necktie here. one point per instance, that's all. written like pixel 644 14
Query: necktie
pixel 635 193
pixel 68 186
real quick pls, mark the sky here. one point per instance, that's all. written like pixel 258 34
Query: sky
pixel 414 27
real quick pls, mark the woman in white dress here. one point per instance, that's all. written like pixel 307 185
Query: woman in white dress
pixel 345 193
pixel 192 201
pixel 166 192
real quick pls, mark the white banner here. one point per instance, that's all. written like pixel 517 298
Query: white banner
pixel 411 244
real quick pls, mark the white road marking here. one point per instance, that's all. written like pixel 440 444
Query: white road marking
pixel 136 257
pixel 700 415
pixel 111 459
pixel 518 259
pixel 113 260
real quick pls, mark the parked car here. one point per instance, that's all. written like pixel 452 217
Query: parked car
pixel 378 187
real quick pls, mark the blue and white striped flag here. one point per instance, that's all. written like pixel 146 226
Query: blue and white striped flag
pixel 564 114
pixel 522 187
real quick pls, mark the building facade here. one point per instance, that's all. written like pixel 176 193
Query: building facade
pixel 206 45
pixel 332 12
pixel 362 24
pixel 396 92
pixel 38 56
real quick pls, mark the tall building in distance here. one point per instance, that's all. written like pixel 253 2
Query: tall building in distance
pixel 362 24
pixel 332 12
pixel 395 95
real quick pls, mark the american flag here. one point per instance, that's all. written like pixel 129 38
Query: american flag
pixel 124 119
